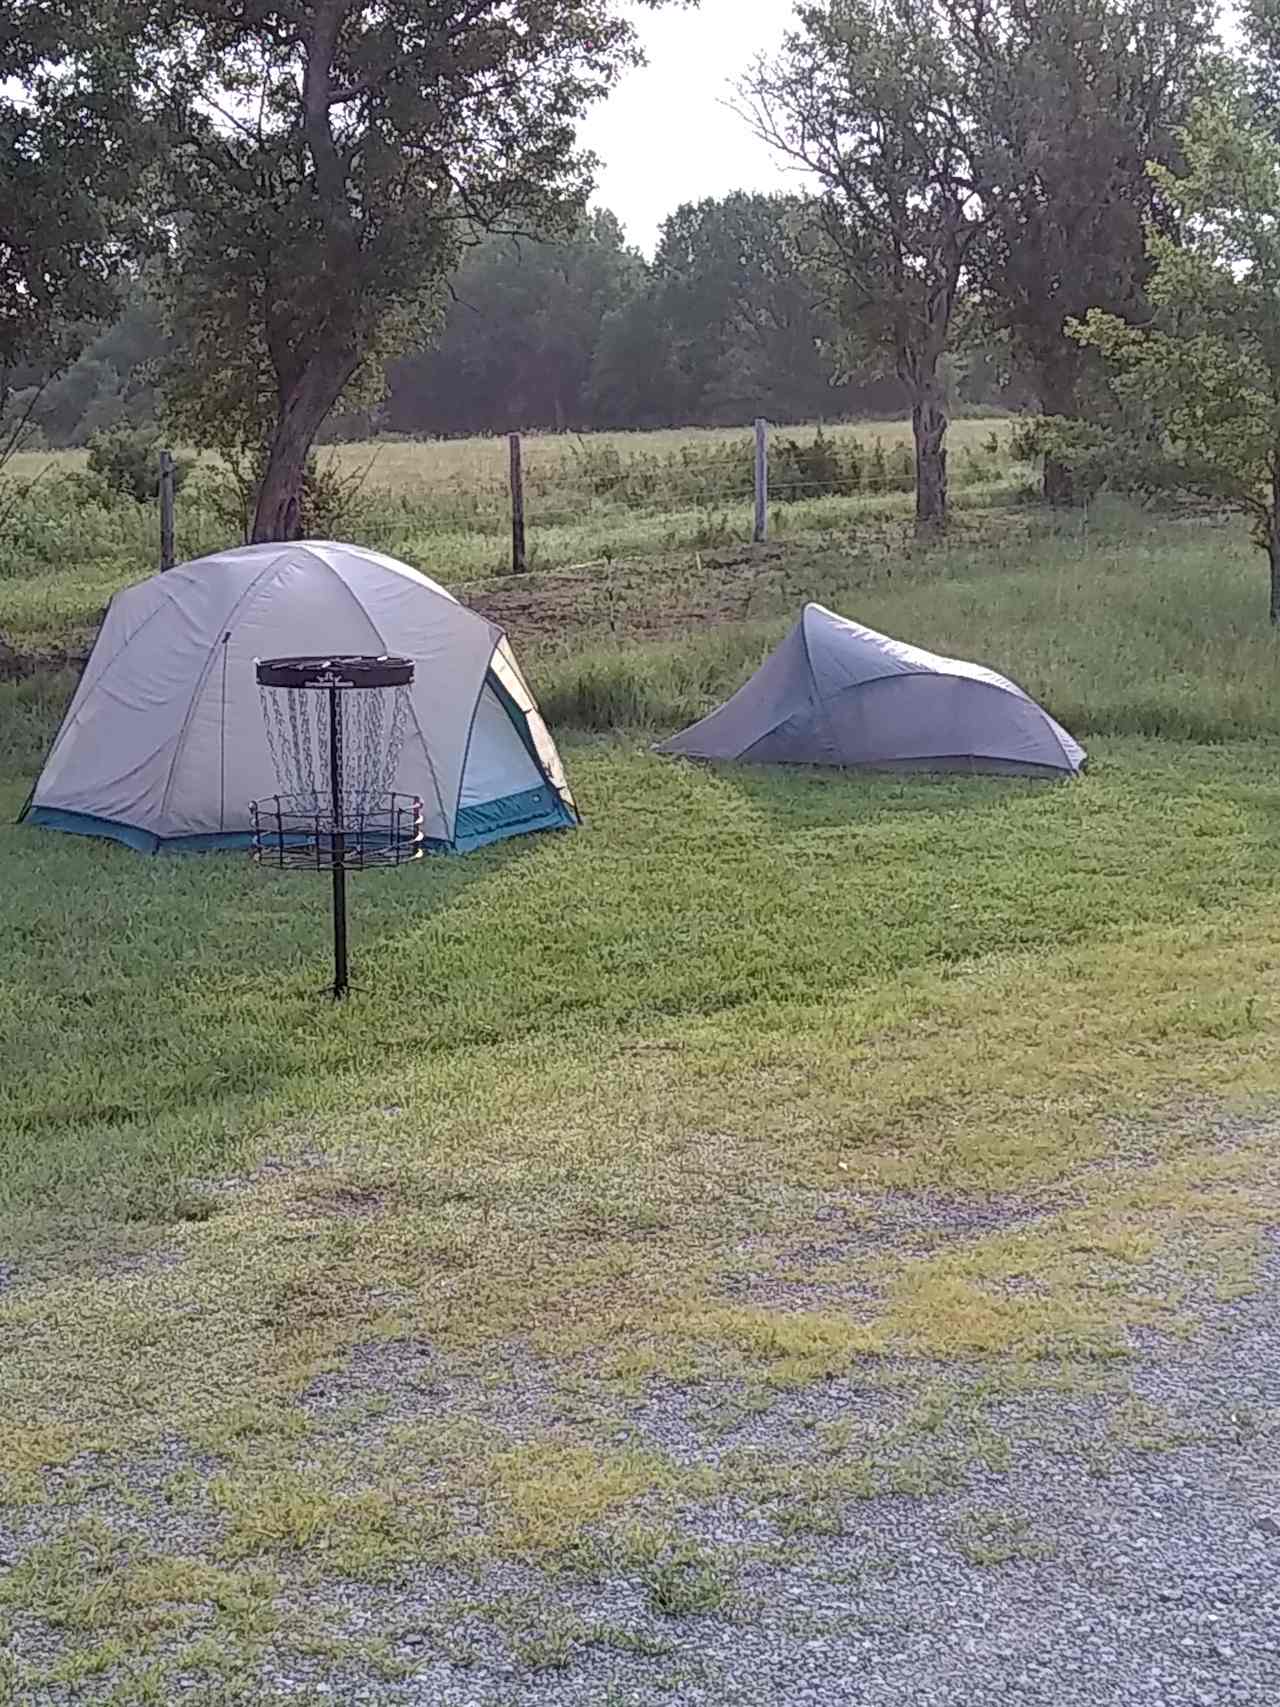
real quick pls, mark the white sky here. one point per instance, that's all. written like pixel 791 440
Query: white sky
pixel 664 136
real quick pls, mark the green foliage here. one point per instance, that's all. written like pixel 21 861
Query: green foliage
pixel 319 235
pixel 687 1580
pixel 874 98
pixel 112 380
pixel 518 346
pixel 126 461
pixel 1207 372
pixel 1072 98
pixel 746 325
pixel 799 468
pixel 826 465
pixel 1086 448
pixel 330 505
pixel 75 154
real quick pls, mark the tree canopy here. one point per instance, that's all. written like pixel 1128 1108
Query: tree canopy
pixel 1071 100
pixel 520 335
pixel 874 98
pixel 1202 381
pixel 75 158
pixel 322 163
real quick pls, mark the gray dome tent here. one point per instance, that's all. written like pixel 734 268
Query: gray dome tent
pixel 164 744
pixel 835 693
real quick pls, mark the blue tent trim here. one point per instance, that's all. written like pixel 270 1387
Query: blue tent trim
pixel 477 826
pixel 515 815
pixel 143 841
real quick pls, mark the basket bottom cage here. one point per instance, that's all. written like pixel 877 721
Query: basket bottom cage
pixel 312 832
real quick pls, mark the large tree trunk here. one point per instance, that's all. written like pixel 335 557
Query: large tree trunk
pixel 929 427
pixel 311 383
pixel 303 411
pixel 1057 388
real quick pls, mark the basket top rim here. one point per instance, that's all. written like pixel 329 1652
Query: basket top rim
pixel 335 671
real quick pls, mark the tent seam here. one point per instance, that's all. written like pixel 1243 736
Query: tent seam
pixel 819 704
pixel 381 639
pixel 224 627
pixel 471 729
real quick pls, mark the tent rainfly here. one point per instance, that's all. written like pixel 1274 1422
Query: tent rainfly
pixel 164 744
pixel 835 693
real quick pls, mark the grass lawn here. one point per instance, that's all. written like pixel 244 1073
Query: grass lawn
pixel 294 1296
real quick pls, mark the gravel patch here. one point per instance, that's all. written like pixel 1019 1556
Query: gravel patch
pixel 515 1394
pixel 1150 1576
pixel 1113 1546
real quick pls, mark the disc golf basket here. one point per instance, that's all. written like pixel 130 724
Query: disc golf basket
pixel 335 727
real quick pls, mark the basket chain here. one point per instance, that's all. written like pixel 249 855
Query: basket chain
pixel 298 741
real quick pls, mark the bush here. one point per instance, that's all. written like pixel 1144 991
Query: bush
pixel 331 500
pixel 816 469
pixel 125 461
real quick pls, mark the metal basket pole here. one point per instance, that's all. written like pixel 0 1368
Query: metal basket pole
pixel 340 985
pixel 360 824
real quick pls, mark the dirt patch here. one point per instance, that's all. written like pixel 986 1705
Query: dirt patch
pixel 663 597
pixel 658 599
pixel 16 664
pixel 619 597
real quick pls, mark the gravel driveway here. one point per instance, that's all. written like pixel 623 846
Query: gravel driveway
pixel 1126 1550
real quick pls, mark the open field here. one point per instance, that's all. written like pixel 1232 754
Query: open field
pixel 800 1239
pixel 445 506
pixel 450 467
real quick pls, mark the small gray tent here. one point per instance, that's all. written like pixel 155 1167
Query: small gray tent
pixel 835 693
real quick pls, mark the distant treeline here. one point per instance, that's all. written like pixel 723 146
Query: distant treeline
pixel 583 335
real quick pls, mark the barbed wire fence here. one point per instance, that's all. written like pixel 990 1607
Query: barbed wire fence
pixel 733 488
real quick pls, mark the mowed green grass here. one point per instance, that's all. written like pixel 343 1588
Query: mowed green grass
pixel 162 1019
pixel 622 1106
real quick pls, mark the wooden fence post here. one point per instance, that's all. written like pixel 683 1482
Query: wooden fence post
pixel 166 509
pixel 519 562
pixel 762 481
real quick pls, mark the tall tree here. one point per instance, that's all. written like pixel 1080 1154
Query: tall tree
pixel 748 327
pixel 521 334
pixel 1204 375
pixel 73 151
pixel 327 156
pixel 1071 99
pixel 113 378
pixel 872 97
pixel 634 379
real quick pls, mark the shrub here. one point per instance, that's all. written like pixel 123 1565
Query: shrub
pixel 126 461
pixel 330 499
